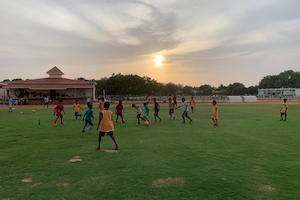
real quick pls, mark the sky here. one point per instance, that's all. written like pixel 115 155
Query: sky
pixel 201 41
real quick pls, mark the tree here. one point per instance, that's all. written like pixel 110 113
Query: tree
pixel 236 89
pixel 286 79
pixel 205 90
pixel 188 90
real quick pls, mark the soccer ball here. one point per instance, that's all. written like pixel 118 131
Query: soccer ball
pixel 147 123
pixel 33 111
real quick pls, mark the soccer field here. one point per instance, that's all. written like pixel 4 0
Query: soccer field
pixel 252 155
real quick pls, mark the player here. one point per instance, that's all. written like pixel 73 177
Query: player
pixel 283 110
pixel 10 104
pixel 175 100
pixel 156 110
pixel 88 101
pixel 139 112
pixel 58 111
pixel 171 109
pixel 88 119
pixel 101 104
pixel 106 125
pixel 119 111
pixel 192 104
pixel 215 114
pixel 46 102
pixel 76 108
pixel 185 111
pixel 146 112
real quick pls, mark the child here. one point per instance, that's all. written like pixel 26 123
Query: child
pixel 171 109
pixel 283 110
pixel 76 108
pixel 88 118
pixel 119 111
pixel 156 110
pixel 101 104
pixel 139 112
pixel 185 111
pixel 175 100
pixel 215 114
pixel 46 102
pixel 58 111
pixel 10 104
pixel 106 125
pixel 146 112
pixel 192 104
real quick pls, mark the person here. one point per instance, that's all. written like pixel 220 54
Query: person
pixel 146 112
pixel 283 110
pixel 156 110
pixel 58 111
pixel 192 104
pixel 101 104
pixel 175 100
pixel 88 115
pixel 185 111
pixel 106 126
pixel 139 112
pixel 88 101
pixel 76 108
pixel 148 99
pixel 10 104
pixel 46 102
pixel 215 114
pixel 119 112
pixel 171 109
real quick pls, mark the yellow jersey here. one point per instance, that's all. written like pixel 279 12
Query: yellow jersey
pixel 284 107
pixel 106 124
pixel 76 107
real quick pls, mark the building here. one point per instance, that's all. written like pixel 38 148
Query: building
pixel 55 87
pixel 279 92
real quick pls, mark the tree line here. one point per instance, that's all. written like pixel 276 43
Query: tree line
pixel 119 84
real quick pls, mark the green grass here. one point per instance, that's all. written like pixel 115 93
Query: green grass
pixel 250 156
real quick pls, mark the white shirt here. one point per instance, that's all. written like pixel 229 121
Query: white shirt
pixel 185 106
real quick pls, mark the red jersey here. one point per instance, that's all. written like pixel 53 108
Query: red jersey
pixel 59 108
pixel 119 109
pixel 174 99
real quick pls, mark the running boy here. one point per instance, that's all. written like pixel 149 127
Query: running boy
pixel 139 112
pixel 88 118
pixel 185 111
pixel 215 114
pixel 101 104
pixel 283 110
pixel 156 110
pixel 10 104
pixel 76 108
pixel 192 104
pixel 146 112
pixel 58 111
pixel 119 111
pixel 106 125
pixel 46 102
pixel 171 109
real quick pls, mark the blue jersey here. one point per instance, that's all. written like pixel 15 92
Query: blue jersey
pixel 11 101
pixel 88 115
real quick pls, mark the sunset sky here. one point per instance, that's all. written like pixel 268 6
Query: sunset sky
pixel 191 42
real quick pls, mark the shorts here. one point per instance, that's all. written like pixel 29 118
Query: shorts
pixel 146 114
pixel 215 116
pixel 171 111
pixel 89 122
pixel 111 133
pixel 46 103
pixel 156 112
pixel 138 116
pixel 185 113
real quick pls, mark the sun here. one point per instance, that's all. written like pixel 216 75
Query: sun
pixel 158 60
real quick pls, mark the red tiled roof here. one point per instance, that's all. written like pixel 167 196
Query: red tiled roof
pixel 55 71
pixel 50 83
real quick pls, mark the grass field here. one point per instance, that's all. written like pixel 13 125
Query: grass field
pixel 252 155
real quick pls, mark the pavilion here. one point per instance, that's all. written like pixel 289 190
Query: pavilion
pixel 55 87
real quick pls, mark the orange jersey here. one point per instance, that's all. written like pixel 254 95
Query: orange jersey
pixel 76 107
pixel 215 113
pixel 101 106
pixel 106 124
pixel 192 103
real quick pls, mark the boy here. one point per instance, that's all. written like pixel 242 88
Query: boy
pixel 192 104
pixel 156 110
pixel 146 112
pixel 106 125
pixel 119 111
pixel 101 104
pixel 46 102
pixel 175 100
pixel 283 110
pixel 185 111
pixel 76 108
pixel 171 109
pixel 215 114
pixel 139 112
pixel 88 115
pixel 58 111
pixel 10 104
